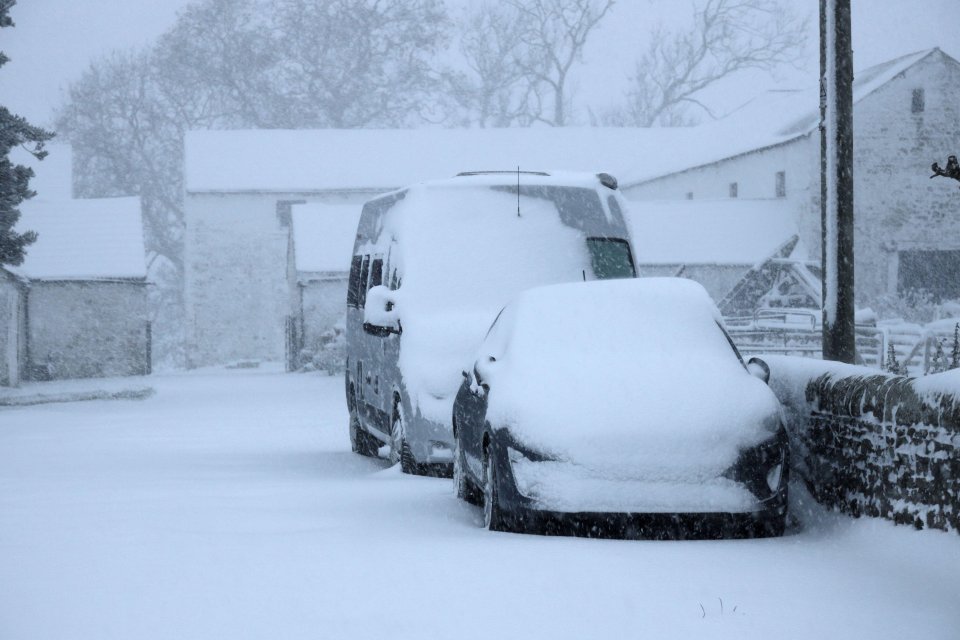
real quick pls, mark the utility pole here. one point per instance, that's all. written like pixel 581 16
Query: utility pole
pixel 836 180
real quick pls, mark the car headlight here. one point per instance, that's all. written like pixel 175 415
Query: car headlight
pixel 762 468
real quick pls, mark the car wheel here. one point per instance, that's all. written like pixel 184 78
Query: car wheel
pixel 399 448
pixel 493 517
pixel 361 442
pixel 465 489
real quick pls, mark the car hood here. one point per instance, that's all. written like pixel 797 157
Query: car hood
pixel 660 419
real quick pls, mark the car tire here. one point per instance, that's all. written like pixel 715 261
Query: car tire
pixel 400 448
pixel 493 515
pixel 361 442
pixel 464 488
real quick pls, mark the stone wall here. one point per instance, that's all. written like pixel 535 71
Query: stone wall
pixel 874 444
pixel 11 330
pixel 84 329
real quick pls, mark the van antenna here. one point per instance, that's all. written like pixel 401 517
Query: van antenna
pixel 518 191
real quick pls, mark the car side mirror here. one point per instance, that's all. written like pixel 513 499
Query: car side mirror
pixel 759 369
pixel 482 371
pixel 380 316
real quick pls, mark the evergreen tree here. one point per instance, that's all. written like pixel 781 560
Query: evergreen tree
pixel 893 365
pixel 955 352
pixel 14 178
pixel 938 364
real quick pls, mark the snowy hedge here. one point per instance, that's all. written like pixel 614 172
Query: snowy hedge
pixel 872 443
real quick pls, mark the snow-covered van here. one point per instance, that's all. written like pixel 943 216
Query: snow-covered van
pixel 432 266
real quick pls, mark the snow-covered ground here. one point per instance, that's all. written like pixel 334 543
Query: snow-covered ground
pixel 228 505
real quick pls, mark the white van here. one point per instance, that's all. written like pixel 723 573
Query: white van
pixel 433 264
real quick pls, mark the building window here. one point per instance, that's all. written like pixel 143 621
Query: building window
pixel 935 272
pixel 689 195
pixel 733 189
pixel 919 101
pixel 780 187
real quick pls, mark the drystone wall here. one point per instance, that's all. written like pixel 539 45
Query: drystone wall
pixel 874 444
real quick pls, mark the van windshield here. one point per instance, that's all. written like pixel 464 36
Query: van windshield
pixel 611 258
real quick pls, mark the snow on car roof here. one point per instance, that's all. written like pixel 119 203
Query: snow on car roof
pixel 323 236
pixel 723 231
pixel 84 239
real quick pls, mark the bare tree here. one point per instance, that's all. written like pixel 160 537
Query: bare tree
pixel 127 142
pixel 728 36
pixel 493 92
pixel 519 56
pixel 356 63
pixel 215 66
pixel 552 39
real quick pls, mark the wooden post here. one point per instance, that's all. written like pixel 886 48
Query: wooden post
pixel 836 180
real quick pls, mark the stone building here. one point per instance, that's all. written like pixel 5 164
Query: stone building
pixel 242 186
pixel 906 116
pixel 247 300
pixel 76 307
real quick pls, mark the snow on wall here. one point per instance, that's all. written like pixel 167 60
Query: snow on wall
pixel 87 329
pixel 871 443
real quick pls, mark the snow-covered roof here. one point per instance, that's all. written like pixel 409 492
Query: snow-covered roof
pixel 773 118
pixel 723 231
pixel 384 159
pixel 95 239
pixel 377 160
pixel 323 236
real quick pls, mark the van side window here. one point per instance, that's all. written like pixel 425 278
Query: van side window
pixel 376 273
pixel 353 288
pixel 364 272
pixel 394 282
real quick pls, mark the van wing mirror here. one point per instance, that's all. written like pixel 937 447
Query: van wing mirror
pixel 380 316
pixel 759 369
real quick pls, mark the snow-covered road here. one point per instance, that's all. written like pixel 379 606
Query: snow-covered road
pixel 228 505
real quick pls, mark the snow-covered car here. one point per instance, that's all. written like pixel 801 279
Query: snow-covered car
pixel 432 266
pixel 619 408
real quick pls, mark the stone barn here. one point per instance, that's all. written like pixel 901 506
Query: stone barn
pixel 83 291
pixel 906 116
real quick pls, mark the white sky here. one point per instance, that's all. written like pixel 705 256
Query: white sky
pixel 55 40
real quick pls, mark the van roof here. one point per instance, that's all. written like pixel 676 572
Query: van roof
pixel 509 178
